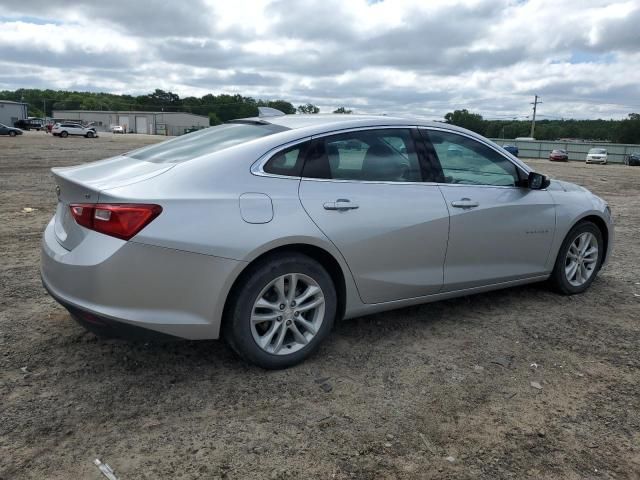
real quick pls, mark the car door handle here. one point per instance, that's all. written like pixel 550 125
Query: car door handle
pixel 341 204
pixel 464 203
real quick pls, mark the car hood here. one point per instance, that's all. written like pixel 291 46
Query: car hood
pixel 559 185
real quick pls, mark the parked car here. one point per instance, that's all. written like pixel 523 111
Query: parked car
pixel 117 129
pixel 597 155
pixel 266 231
pixel 65 129
pixel 11 131
pixel 512 149
pixel 632 159
pixel 559 155
pixel 29 124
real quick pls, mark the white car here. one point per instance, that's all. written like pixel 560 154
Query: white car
pixel 117 129
pixel 597 155
pixel 65 129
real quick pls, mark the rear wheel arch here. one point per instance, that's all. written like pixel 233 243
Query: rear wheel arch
pixel 320 255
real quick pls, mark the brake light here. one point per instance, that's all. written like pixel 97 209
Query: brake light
pixel 120 220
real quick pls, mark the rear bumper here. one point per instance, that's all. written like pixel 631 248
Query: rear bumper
pixel 107 327
pixel 111 285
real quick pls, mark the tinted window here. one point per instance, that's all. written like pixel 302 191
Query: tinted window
pixel 369 155
pixel 467 161
pixel 287 162
pixel 202 142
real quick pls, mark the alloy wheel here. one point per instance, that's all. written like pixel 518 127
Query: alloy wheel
pixel 581 259
pixel 287 314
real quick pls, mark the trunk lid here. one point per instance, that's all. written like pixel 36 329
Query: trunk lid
pixel 83 184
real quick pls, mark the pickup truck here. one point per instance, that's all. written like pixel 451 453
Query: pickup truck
pixel 29 124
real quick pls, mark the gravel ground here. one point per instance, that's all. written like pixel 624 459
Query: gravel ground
pixel 435 391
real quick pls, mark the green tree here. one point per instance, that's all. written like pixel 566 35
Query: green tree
pixel 308 108
pixel 342 110
pixel 465 119
pixel 628 130
pixel 213 119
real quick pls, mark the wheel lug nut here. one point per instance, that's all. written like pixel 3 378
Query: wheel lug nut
pixel 288 322
pixel 279 319
pixel 295 314
pixel 293 303
pixel 282 306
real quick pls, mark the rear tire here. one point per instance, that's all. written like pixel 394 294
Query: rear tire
pixel 64 134
pixel 578 265
pixel 295 321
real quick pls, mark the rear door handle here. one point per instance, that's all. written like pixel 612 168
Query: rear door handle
pixel 342 204
pixel 464 203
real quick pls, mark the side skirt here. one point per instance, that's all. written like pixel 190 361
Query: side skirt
pixel 382 307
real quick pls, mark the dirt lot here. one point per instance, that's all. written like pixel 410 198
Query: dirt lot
pixel 389 396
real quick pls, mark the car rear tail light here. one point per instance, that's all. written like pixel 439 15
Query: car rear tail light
pixel 120 220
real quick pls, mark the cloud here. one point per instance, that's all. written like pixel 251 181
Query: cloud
pixel 393 56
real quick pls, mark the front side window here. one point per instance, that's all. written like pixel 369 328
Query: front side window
pixel 467 161
pixel 385 155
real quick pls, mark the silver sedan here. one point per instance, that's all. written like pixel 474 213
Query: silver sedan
pixel 268 230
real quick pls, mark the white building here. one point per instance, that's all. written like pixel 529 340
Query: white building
pixel 11 112
pixel 151 123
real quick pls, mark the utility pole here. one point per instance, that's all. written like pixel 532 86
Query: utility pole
pixel 533 121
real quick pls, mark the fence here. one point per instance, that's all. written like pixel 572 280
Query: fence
pixel 576 150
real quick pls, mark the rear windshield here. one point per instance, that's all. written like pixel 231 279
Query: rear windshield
pixel 202 142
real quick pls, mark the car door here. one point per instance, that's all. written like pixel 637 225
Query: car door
pixel 499 230
pixel 364 190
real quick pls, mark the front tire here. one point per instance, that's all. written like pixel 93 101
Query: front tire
pixel 89 134
pixel 12 134
pixel 579 259
pixel 283 308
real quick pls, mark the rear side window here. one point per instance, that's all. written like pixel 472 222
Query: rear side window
pixel 287 162
pixel 203 142
pixel 385 155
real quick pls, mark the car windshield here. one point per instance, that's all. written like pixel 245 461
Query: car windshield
pixel 558 151
pixel 599 151
pixel 3 125
pixel 203 142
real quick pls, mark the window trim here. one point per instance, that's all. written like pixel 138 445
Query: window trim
pixel 302 151
pixel 257 168
pixel 519 168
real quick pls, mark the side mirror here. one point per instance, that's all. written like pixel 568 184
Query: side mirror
pixel 537 181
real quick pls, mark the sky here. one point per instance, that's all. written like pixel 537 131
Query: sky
pixel 419 57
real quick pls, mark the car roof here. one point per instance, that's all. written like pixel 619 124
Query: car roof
pixel 302 125
pixel 327 122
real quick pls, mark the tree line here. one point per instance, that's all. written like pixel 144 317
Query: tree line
pixel 617 131
pixel 224 107
pixel 219 108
